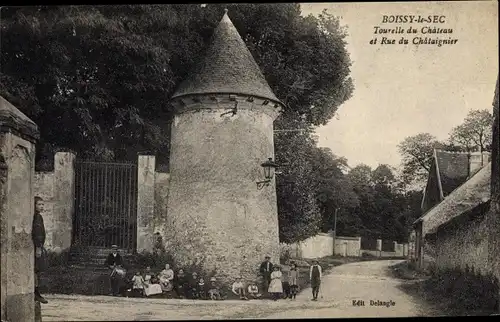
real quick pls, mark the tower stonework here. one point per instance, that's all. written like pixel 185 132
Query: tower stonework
pixel 221 134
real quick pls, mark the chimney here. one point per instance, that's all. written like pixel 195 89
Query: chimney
pixel 478 161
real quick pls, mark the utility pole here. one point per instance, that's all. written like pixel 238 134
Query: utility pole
pixel 335 229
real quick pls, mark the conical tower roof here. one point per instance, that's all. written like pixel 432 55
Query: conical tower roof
pixel 228 67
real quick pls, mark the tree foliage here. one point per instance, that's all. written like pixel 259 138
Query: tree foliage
pixel 475 133
pixel 97 80
pixel 383 210
pixel 107 72
pixel 416 152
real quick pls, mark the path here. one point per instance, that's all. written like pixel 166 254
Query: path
pixel 363 281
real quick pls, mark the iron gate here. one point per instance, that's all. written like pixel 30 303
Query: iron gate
pixel 105 205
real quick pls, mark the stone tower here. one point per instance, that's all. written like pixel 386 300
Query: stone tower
pixel 221 134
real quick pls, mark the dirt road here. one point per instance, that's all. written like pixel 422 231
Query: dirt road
pixel 361 282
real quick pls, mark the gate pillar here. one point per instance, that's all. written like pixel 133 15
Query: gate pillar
pixel 64 200
pixel 18 135
pixel 145 202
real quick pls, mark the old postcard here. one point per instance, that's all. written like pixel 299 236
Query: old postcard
pixel 234 161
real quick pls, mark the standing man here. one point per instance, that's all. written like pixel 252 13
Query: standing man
pixel 315 274
pixel 266 268
pixel 115 262
pixel 38 237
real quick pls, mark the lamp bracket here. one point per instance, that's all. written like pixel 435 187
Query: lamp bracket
pixel 262 184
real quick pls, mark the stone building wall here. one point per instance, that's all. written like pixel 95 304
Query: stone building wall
pixel 464 245
pixel 216 214
pixel 493 215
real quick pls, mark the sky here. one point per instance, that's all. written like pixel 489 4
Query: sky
pixel 405 90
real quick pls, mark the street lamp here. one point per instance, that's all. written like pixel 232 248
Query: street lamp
pixel 269 167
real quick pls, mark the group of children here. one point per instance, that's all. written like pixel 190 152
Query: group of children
pixel 194 287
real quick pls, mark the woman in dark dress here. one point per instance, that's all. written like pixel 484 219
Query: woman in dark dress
pixel 181 284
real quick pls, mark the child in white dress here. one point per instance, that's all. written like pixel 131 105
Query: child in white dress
pixel 276 286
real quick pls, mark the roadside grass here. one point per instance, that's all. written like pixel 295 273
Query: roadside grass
pixel 450 292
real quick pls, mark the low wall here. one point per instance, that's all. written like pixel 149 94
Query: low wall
pixel 57 189
pixel 401 250
pixel 317 246
pixel 348 246
pixel 464 245
pixel 321 245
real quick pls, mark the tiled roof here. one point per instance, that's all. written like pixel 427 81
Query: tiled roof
pixel 227 67
pixel 453 170
pixel 448 171
pixel 470 194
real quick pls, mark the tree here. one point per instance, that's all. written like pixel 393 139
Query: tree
pixel 475 133
pixel 298 212
pixel 106 74
pixel 383 175
pixel 334 191
pixel 417 152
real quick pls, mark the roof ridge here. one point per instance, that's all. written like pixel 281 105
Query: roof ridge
pixel 227 66
pixel 461 152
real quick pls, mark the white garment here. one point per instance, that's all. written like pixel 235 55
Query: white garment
pixel 138 282
pixel 152 289
pixel 253 289
pixel 237 286
pixel 275 286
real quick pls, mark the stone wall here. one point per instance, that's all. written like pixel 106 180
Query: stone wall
pixel 57 189
pixel 145 202
pixel 321 245
pixel 317 246
pixel 493 216
pixel 400 250
pixel 161 196
pixel 348 246
pixel 18 135
pixel 152 194
pixel 464 245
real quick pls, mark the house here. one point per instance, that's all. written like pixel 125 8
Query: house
pixel 449 170
pixel 493 216
pixel 456 227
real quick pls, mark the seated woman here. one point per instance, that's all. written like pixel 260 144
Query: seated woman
pixel 166 278
pixel 214 292
pixel 151 287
